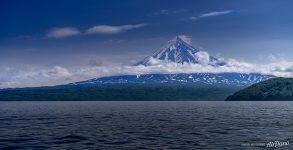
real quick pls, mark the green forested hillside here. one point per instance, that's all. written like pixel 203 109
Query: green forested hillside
pixel 117 92
pixel 276 89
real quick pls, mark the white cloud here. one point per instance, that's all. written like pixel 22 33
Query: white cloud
pixel 63 32
pixel 162 12
pixel 33 76
pixel 167 12
pixel 211 14
pixel 108 29
pixel 185 39
pixel 56 72
pixel 30 76
pixel 215 13
pixel 193 18
pixel 154 61
pixel 180 11
pixel 203 57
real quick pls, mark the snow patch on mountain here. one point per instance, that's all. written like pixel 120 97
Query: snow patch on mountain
pixel 197 79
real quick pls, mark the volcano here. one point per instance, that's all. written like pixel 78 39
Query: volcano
pixel 158 86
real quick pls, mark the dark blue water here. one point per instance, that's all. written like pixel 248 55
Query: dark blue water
pixel 144 125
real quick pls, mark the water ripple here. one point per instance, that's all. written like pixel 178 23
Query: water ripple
pixel 143 125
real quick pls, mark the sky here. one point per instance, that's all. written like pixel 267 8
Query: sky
pixel 52 42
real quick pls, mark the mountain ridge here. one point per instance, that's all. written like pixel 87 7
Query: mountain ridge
pixel 216 79
pixel 276 89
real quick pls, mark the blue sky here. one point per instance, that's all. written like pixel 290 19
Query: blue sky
pixel 246 29
pixel 74 33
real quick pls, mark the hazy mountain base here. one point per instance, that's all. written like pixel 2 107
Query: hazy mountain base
pixel 119 92
pixel 276 89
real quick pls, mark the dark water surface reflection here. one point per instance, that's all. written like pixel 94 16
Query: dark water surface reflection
pixel 144 125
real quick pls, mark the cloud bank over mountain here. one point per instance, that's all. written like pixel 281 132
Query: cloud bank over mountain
pixel 31 77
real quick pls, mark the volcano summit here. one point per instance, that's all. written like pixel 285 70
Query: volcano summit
pixel 179 50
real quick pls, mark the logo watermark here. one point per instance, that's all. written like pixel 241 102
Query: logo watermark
pixel 271 144
pixel 277 144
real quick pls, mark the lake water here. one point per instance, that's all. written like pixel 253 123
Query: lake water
pixel 145 125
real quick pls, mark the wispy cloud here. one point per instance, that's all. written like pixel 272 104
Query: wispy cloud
pixel 63 32
pixel 211 14
pixel 108 29
pixel 193 18
pixel 167 12
pixel 160 12
pixel 215 13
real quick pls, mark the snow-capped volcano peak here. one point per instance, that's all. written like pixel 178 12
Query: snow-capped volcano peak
pixel 181 39
pixel 180 50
